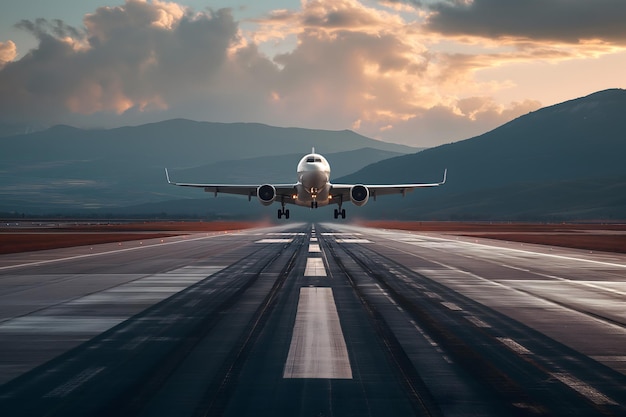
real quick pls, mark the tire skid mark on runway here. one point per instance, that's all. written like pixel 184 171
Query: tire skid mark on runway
pixel 450 271
pixel 431 342
pixel 74 383
pixel 144 291
pixel 524 402
pixel 577 385
pixel 154 341
pixel 416 389
pixel 218 394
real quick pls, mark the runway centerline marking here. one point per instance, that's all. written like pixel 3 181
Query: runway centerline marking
pixel 313 247
pixel 315 268
pixel 318 348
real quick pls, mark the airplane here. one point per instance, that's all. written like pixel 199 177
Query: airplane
pixel 313 188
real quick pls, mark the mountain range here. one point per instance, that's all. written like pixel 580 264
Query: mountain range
pixel 563 162
pixel 64 169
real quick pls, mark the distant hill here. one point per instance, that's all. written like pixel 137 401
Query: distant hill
pixel 563 162
pixel 63 168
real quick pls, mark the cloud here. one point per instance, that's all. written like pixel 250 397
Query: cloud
pixel 450 122
pixel 382 70
pixel 138 56
pixel 572 21
pixel 8 52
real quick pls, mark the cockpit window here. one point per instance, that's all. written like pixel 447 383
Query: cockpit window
pixel 310 159
pixel 318 159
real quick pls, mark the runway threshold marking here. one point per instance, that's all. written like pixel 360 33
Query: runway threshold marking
pixel 274 241
pixel 315 268
pixel 353 241
pixel 318 348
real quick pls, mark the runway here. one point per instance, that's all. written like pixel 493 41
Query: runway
pixel 313 320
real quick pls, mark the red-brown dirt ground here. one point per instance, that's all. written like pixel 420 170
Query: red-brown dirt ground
pixel 21 238
pixel 594 237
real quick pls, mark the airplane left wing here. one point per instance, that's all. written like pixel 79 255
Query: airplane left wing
pixel 284 192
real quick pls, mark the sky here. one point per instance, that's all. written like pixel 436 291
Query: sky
pixel 416 72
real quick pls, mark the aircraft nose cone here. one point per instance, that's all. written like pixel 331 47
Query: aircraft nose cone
pixel 314 179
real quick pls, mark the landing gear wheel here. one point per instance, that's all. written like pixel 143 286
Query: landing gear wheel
pixel 336 213
pixel 282 212
pixel 343 213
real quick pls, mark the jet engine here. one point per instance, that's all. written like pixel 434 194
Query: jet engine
pixel 266 194
pixel 359 194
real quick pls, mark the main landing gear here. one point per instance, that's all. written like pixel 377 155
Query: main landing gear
pixel 282 212
pixel 341 212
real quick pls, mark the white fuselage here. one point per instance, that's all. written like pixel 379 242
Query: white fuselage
pixel 313 185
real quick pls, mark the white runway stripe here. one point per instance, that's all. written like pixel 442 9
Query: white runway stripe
pixel 318 348
pixel 315 268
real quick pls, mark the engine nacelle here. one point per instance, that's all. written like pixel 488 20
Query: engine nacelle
pixel 359 194
pixel 266 194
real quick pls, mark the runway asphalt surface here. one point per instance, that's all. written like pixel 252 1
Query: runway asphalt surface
pixel 313 320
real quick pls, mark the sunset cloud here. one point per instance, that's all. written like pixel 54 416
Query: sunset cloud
pixel 8 52
pixel 142 56
pixel 408 71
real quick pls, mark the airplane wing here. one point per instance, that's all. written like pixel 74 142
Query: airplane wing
pixel 341 192
pixel 284 192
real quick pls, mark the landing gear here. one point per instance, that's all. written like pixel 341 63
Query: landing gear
pixel 282 212
pixel 341 212
pixel 313 204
